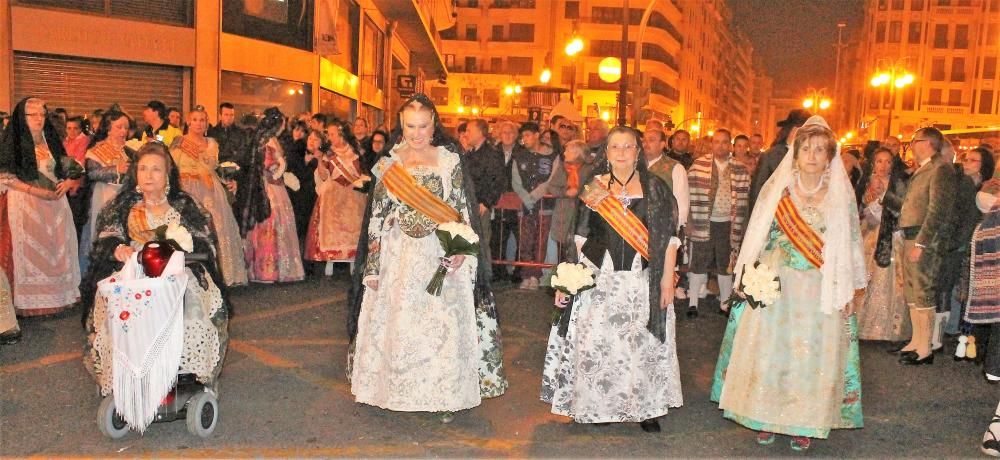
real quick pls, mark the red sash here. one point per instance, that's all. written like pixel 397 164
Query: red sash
pixel 400 183
pixel 799 232
pixel 623 220
pixel 346 178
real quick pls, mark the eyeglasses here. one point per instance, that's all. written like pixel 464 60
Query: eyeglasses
pixel 622 148
pixel 35 114
pixel 565 126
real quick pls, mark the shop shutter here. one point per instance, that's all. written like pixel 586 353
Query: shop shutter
pixel 82 85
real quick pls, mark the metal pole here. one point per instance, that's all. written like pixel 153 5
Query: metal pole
pixel 638 56
pixel 836 80
pixel 623 82
pixel 572 84
pixel 892 103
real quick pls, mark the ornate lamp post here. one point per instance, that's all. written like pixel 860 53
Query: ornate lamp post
pixel 574 47
pixel 894 77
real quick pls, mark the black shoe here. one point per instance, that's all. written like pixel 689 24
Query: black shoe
pixel 10 337
pixel 650 425
pixel 692 312
pixel 911 359
pixel 895 347
pixel 938 350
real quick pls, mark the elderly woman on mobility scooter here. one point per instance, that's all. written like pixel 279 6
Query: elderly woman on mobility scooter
pixel 132 369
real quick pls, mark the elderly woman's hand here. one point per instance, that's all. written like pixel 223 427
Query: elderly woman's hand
pixel 123 252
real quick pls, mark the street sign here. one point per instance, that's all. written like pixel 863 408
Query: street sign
pixel 406 84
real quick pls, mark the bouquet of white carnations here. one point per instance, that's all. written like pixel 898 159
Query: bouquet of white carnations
pixel 456 239
pixel 572 279
pixel 760 285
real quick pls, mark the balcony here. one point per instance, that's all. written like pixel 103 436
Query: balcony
pixel 509 4
pixel 419 23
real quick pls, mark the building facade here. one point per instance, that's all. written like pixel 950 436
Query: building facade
pixel 716 88
pixel 498 46
pixel 951 48
pixel 340 57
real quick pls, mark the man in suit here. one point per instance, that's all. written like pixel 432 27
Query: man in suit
pixel 925 220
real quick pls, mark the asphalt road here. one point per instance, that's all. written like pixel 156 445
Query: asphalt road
pixel 284 394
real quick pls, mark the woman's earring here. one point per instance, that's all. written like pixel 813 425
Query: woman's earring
pixel 138 190
pixel 167 192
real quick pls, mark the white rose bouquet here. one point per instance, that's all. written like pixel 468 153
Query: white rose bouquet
pixel 227 170
pixel 178 236
pixel 760 285
pixel 572 279
pixel 456 239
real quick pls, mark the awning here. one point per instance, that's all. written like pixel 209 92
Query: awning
pixel 416 27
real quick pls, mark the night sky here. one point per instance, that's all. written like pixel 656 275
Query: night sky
pixel 796 39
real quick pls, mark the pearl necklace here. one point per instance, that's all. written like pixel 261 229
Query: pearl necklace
pixel 148 202
pixel 809 193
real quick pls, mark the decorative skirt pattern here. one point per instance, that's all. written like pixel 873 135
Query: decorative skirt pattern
pixel 46 269
pixel 211 194
pixel 272 247
pixel 609 367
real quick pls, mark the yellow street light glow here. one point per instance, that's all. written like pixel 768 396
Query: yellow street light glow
pixel 509 90
pixel 824 104
pixel 711 133
pixel 461 109
pixel 610 69
pixel 291 91
pixel 849 134
pixel 695 128
pixel 605 115
pixel 475 110
pixel 545 77
pixel 842 140
pixel 808 103
pixel 517 89
pixel 574 46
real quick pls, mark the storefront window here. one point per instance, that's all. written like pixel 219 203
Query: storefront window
pixel 335 104
pixel 285 22
pixel 252 94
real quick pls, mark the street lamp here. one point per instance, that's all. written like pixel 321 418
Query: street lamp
pixel 817 99
pixel 545 77
pixel 573 47
pixel 894 77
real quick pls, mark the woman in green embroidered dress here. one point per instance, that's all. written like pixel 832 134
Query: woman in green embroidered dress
pixel 792 367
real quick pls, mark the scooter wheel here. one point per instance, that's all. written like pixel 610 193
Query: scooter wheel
pixel 111 424
pixel 202 414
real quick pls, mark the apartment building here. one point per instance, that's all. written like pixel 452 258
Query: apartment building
pixel 951 48
pixel 342 57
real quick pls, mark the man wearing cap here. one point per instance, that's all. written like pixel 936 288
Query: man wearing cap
pixel 770 160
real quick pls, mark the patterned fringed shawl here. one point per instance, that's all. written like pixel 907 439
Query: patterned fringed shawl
pixel 703 185
pixel 984 283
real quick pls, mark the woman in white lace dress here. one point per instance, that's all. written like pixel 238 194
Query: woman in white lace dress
pixel 611 356
pixel 415 351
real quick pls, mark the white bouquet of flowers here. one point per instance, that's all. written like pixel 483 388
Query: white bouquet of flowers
pixel 456 239
pixel 572 279
pixel 291 181
pixel 760 285
pixel 176 234
pixel 227 170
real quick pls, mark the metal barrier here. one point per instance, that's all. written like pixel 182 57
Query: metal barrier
pixel 507 206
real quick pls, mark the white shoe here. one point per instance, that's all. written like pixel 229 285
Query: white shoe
pixel 991 446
